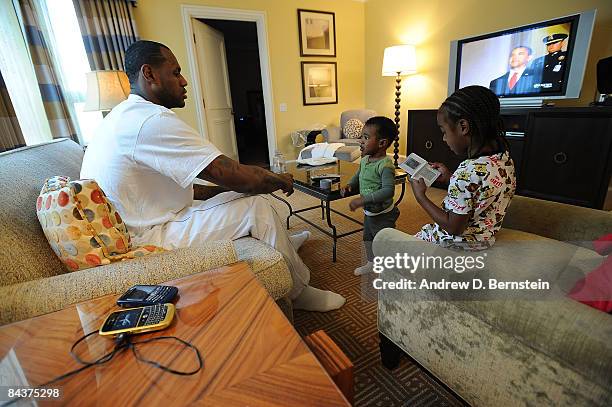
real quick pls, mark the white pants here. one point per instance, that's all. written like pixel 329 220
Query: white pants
pixel 229 215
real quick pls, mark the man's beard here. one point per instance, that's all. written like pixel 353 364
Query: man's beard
pixel 170 102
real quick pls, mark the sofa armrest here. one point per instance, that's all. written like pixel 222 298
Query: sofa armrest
pixel 556 220
pixel 36 297
pixel 332 134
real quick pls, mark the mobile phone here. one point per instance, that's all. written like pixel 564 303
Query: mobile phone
pixel 141 295
pixel 138 320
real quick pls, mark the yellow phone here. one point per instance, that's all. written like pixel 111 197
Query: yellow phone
pixel 138 320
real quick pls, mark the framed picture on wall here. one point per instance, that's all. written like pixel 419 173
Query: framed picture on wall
pixel 319 83
pixel 317 33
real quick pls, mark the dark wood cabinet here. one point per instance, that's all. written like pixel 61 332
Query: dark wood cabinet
pixel 560 154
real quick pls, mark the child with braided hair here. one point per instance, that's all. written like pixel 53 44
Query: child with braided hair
pixel 481 188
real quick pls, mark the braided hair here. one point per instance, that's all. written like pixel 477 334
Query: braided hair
pixel 479 106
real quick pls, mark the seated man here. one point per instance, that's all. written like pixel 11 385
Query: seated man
pixel 146 159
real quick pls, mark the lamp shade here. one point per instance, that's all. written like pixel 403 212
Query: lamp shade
pixel 399 59
pixel 105 90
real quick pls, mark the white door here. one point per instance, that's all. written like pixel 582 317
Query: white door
pixel 212 64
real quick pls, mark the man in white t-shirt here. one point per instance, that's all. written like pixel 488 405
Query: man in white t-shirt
pixel 146 160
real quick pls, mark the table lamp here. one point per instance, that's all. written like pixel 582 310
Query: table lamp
pixel 105 90
pixel 398 60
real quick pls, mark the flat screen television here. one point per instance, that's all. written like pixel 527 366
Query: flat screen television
pixel 527 64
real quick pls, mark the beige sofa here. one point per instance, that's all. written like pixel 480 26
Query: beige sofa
pixel 32 279
pixel 548 350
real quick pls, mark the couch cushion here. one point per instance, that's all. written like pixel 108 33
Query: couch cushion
pixel 352 128
pixel 267 264
pixel 26 254
pixel 82 225
pixel 36 297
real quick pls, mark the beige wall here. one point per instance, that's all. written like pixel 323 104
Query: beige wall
pixel 431 25
pixel 161 20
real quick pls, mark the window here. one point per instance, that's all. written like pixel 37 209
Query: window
pixel 69 53
pixel 62 32
pixel 18 73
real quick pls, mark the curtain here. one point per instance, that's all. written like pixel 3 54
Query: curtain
pixel 108 29
pixel 10 132
pixel 57 110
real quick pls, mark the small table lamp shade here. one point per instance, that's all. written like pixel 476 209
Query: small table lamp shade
pixel 399 59
pixel 105 90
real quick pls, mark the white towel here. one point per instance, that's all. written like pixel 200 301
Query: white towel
pixel 321 153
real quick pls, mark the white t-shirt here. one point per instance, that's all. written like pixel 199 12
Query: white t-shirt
pixel 145 160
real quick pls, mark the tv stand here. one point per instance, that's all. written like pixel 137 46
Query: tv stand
pixel 561 154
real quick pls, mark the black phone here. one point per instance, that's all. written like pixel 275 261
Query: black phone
pixel 142 295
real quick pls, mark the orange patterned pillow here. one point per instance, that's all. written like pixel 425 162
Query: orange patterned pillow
pixel 82 226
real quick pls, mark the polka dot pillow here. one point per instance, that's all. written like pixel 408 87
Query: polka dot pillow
pixel 82 226
pixel 352 128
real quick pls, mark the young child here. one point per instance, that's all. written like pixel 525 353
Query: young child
pixel 481 188
pixel 375 182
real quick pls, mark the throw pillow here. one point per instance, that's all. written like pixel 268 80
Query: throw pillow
pixel 595 290
pixel 82 226
pixel 352 128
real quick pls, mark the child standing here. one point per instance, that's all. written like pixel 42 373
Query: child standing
pixel 481 188
pixel 375 182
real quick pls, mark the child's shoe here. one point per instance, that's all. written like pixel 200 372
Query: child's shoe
pixel 365 269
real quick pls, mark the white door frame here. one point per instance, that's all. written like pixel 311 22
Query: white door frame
pixel 258 17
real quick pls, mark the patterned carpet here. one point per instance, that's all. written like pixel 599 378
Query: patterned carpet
pixel 353 327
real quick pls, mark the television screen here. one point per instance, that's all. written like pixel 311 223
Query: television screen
pixel 529 61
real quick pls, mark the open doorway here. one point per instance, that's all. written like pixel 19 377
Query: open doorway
pixel 245 86
pixel 191 15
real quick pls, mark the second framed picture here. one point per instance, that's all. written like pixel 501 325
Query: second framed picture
pixel 319 83
pixel 317 33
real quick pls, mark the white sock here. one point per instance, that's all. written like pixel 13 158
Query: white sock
pixel 298 239
pixel 313 299
pixel 365 269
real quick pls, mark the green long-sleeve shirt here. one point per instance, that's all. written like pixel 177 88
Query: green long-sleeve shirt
pixel 376 183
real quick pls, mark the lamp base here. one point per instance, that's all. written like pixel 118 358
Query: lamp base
pixel 398 86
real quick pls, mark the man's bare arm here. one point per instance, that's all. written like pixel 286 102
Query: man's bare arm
pixel 204 192
pixel 251 179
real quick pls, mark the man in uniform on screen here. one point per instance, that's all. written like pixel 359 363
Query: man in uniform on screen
pixel 552 66
pixel 520 79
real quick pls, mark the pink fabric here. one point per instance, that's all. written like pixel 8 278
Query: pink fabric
pixel 595 290
pixel 603 245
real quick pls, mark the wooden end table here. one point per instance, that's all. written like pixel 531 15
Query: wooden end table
pixel 252 354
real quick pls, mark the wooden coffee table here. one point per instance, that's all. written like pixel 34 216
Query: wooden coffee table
pixel 252 354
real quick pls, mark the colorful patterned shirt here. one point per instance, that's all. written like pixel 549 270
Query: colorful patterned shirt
pixel 481 187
